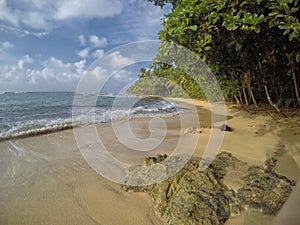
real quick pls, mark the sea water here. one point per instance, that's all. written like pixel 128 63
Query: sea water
pixel 29 113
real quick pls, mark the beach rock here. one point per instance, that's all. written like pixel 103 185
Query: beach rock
pixel 190 196
pixel 225 127
pixel 264 190
pixel 229 171
pixel 194 196
pixel 270 164
pixel 225 162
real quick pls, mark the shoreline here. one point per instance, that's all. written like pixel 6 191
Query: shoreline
pixel 38 132
pixel 45 172
pixel 185 103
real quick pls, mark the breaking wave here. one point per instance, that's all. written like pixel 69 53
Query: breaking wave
pixel 47 122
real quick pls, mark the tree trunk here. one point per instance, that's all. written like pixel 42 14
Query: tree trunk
pixel 272 103
pixel 240 97
pixel 245 96
pixel 237 100
pixel 295 81
pixel 252 97
pixel 248 84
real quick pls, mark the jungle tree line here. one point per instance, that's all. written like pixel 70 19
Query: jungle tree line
pixel 252 46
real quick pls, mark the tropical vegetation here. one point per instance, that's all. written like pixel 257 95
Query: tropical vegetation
pixel 251 46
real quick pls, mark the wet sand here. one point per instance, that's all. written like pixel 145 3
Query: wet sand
pixel 45 179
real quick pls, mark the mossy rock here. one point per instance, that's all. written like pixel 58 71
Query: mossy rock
pixel 194 196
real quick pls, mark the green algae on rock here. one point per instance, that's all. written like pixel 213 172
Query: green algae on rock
pixel 192 196
pixel 264 191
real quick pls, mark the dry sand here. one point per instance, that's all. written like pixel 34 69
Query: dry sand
pixel 45 180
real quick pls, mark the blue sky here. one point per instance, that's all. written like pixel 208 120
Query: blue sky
pixel 49 45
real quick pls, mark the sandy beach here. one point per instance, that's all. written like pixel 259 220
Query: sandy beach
pixel 45 179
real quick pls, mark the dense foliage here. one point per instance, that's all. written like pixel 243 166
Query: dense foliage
pixel 252 46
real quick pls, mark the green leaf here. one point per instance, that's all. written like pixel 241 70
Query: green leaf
pixel 272 23
pixel 193 28
pixel 294 35
pixel 295 9
pixel 207 48
pixel 246 28
pixel 283 26
pixel 230 26
pixel 260 19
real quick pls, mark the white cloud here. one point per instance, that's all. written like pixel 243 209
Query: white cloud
pixel 56 74
pixel 97 42
pixel 27 13
pixel 56 64
pixel 94 42
pixel 140 19
pixel 8 14
pixel 24 60
pixel 112 65
pixel 81 39
pixel 81 64
pixel 110 73
pixel 88 9
pixel 98 53
pixel 84 53
pixel 53 72
pixel 123 76
pixel 100 74
pixel 7 44
pixel 56 70
pixel 43 15
pixel 117 61
pixel 35 20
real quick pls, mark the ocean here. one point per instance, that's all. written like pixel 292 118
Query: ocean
pixel 30 113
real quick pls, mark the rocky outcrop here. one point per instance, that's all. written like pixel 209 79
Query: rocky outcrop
pixel 192 196
pixel 264 191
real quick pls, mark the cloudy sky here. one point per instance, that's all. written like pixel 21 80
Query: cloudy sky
pixel 49 45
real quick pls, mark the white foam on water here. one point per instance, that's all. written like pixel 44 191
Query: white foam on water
pixel 86 117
